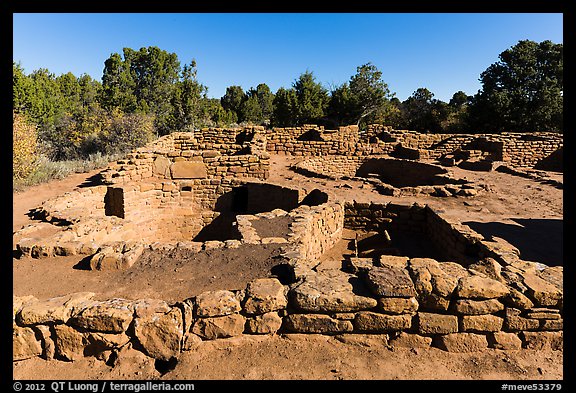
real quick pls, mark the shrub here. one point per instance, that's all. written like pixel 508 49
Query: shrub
pixel 25 151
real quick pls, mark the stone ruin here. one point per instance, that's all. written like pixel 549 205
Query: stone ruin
pixel 208 189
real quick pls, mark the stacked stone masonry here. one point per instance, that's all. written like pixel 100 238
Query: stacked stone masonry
pixel 416 301
pixel 481 295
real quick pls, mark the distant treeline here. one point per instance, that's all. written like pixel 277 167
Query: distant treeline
pixel 148 92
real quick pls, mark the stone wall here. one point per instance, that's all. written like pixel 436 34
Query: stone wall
pixel 416 302
pixel 518 149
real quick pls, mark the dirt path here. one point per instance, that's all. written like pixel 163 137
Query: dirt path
pixel 511 201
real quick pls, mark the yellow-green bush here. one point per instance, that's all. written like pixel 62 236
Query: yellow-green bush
pixel 24 152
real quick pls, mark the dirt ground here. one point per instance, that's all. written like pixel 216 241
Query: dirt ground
pixel 527 213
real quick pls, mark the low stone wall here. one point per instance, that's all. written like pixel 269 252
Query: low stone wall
pixel 415 302
pixel 517 149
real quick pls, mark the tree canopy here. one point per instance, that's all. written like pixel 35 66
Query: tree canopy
pixel 523 91
pixel 149 92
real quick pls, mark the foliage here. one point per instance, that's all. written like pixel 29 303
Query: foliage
pixel 188 101
pixel 24 149
pixel 142 81
pixel 523 91
pixel 423 113
pixel 311 99
pixel 370 92
pixel 285 112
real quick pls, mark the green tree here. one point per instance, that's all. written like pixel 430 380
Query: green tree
pixel 143 81
pixel 311 99
pixel 421 112
pixel 370 92
pixel 233 99
pixel 457 114
pixel 251 110
pixel 265 100
pixel 342 107
pixel 285 112
pixel 188 100
pixel 523 91
pixel 21 89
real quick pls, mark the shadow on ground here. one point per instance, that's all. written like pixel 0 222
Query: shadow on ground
pixel 538 240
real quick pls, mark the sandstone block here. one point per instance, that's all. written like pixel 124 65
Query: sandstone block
pixel 390 281
pixel 267 323
pixel 462 342
pixel 477 307
pixel 48 348
pixel 330 291
pixel 543 313
pixel 542 340
pixel 264 295
pixel 513 321
pixel 504 341
pixel 481 323
pixel 219 327
pixel 393 261
pixel 190 341
pixel 188 170
pixel 552 324
pixel 517 299
pixel 217 303
pixel 433 302
pixel 542 292
pixel 410 340
pixel 160 334
pixel 24 344
pixel 109 316
pixel 149 307
pixel 161 166
pixel 376 322
pixel 53 310
pixel 20 301
pixel 69 342
pixel 398 305
pixel 477 287
pixel 316 323
pixel 431 323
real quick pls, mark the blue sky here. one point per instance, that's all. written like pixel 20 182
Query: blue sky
pixel 442 52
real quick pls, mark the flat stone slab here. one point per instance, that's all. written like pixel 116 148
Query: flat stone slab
pixel 24 344
pixel 398 305
pixel 110 316
pixel 316 323
pixel 268 323
pixel 513 321
pixel 477 287
pixel 481 323
pixel 368 321
pixel 477 307
pixel 433 277
pixel 390 281
pixel 432 323
pixel 462 342
pixel 330 291
pixel 219 327
pixel 542 340
pixel 217 304
pixel 53 310
pixel 188 170
pixel 541 291
pixel 264 295
pixel 504 341
pixel 410 340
